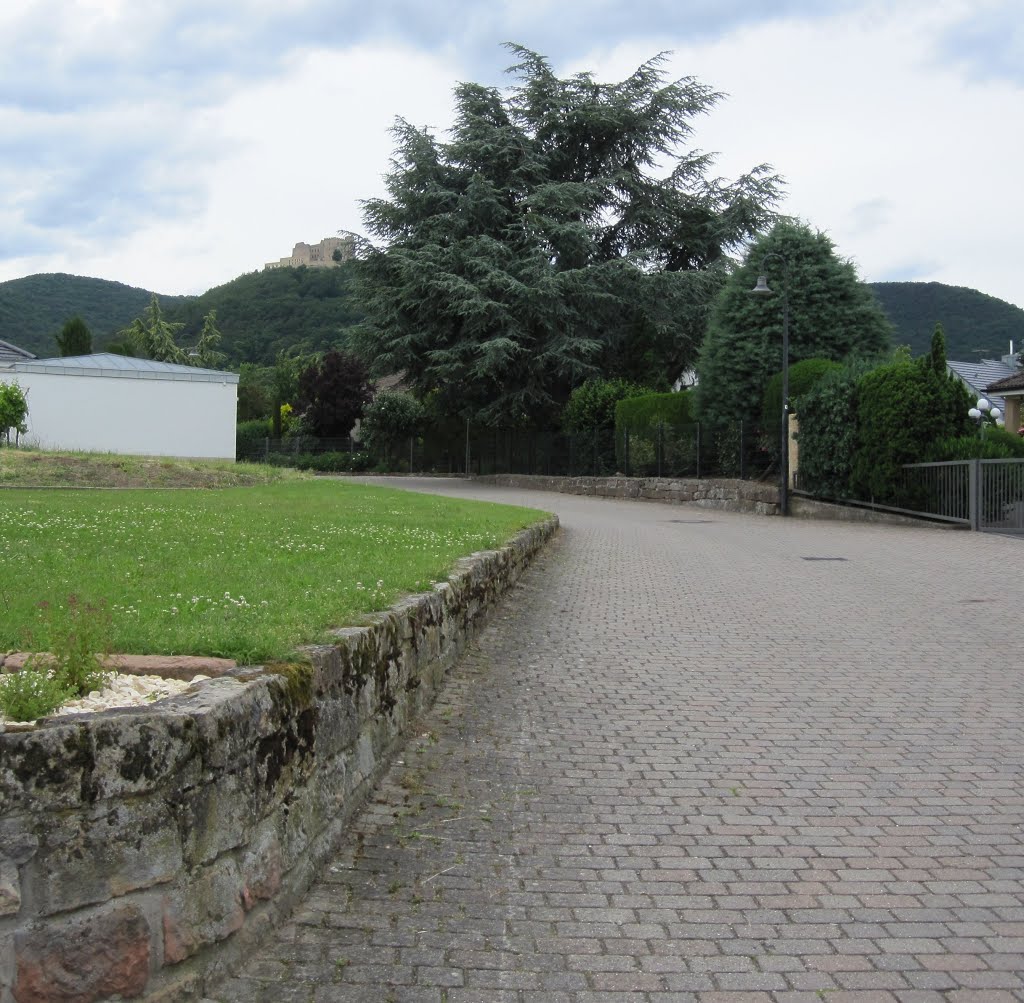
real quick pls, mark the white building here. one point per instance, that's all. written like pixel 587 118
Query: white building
pixel 116 404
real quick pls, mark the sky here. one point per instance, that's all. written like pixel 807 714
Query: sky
pixel 176 144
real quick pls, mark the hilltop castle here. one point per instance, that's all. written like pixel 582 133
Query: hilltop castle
pixel 317 255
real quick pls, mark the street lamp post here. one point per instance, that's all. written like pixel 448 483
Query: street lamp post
pixel 762 289
pixel 983 413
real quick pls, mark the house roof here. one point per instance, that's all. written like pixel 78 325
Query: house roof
pixel 1014 383
pixel 979 376
pixel 119 367
pixel 11 353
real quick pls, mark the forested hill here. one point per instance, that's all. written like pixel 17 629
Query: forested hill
pixel 260 313
pixel 35 308
pixel 302 309
pixel 309 309
pixel 976 326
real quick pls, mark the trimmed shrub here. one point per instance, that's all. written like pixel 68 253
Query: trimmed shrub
pixel 902 409
pixel 646 412
pixel 323 463
pixel 590 414
pixel 249 438
pixel 675 439
pixel 594 404
pixel 802 376
pixel 828 432
pixel 995 444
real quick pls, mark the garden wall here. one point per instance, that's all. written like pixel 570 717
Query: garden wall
pixel 710 492
pixel 142 851
pixel 731 495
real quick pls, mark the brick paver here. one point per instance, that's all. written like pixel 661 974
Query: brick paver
pixel 684 763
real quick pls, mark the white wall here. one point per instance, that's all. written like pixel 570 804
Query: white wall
pixel 138 416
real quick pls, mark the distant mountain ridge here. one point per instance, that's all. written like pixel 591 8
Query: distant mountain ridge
pixel 976 326
pixel 34 309
pixel 310 309
pixel 258 314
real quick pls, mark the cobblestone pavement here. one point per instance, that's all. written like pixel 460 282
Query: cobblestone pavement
pixel 698 756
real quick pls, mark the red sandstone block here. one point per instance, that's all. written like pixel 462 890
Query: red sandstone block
pixel 84 960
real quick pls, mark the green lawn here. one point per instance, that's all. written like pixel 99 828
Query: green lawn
pixel 245 573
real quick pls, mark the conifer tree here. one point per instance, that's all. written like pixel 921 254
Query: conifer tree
pixel 74 338
pixel 565 231
pixel 832 315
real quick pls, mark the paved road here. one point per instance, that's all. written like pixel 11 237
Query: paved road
pixel 698 756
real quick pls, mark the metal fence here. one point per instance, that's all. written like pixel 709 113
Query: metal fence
pixel 659 450
pixel 986 495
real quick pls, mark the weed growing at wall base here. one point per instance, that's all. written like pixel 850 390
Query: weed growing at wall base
pixel 30 694
pixel 244 573
pixel 68 665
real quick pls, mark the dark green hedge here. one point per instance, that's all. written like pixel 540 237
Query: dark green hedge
pixel 902 409
pixel 996 444
pixel 325 463
pixel 802 376
pixel 675 441
pixel 250 437
pixel 641 414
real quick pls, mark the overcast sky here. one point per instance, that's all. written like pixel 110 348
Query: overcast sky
pixel 175 144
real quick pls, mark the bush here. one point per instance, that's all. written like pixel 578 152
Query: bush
pixel 324 463
pixel 828 432
pixel 903 408
pixel 995 444
pixel 13 411
pixel 594 404
pixel 249 438
pixel 391 419
pixel 802 377
pixel 641 416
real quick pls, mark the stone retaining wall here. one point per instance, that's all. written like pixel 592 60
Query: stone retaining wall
pixel 711 492
pixel 729 494
pixel 142 850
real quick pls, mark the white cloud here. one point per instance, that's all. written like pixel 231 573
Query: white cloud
pixel 177 145
pixel 856 112
pixel 284 161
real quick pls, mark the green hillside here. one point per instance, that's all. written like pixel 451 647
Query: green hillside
pixel 34 309
pixel 260 313
pixel 977 326
pixel 309 309
pixel 304 309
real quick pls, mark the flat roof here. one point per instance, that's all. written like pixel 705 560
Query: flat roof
pixel 123 367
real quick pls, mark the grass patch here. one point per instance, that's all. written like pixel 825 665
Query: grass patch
pixel 244 573
pixel 43 469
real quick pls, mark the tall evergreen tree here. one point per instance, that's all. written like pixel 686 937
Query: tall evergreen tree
pixel 205 354
pixel 832 315
pixel 544 245
pixel 152 337
pixel 937 355
pixel 75 338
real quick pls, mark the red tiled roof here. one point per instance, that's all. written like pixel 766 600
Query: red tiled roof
pixel 1014 382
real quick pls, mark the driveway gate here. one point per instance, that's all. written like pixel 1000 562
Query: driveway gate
pixel 986 495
